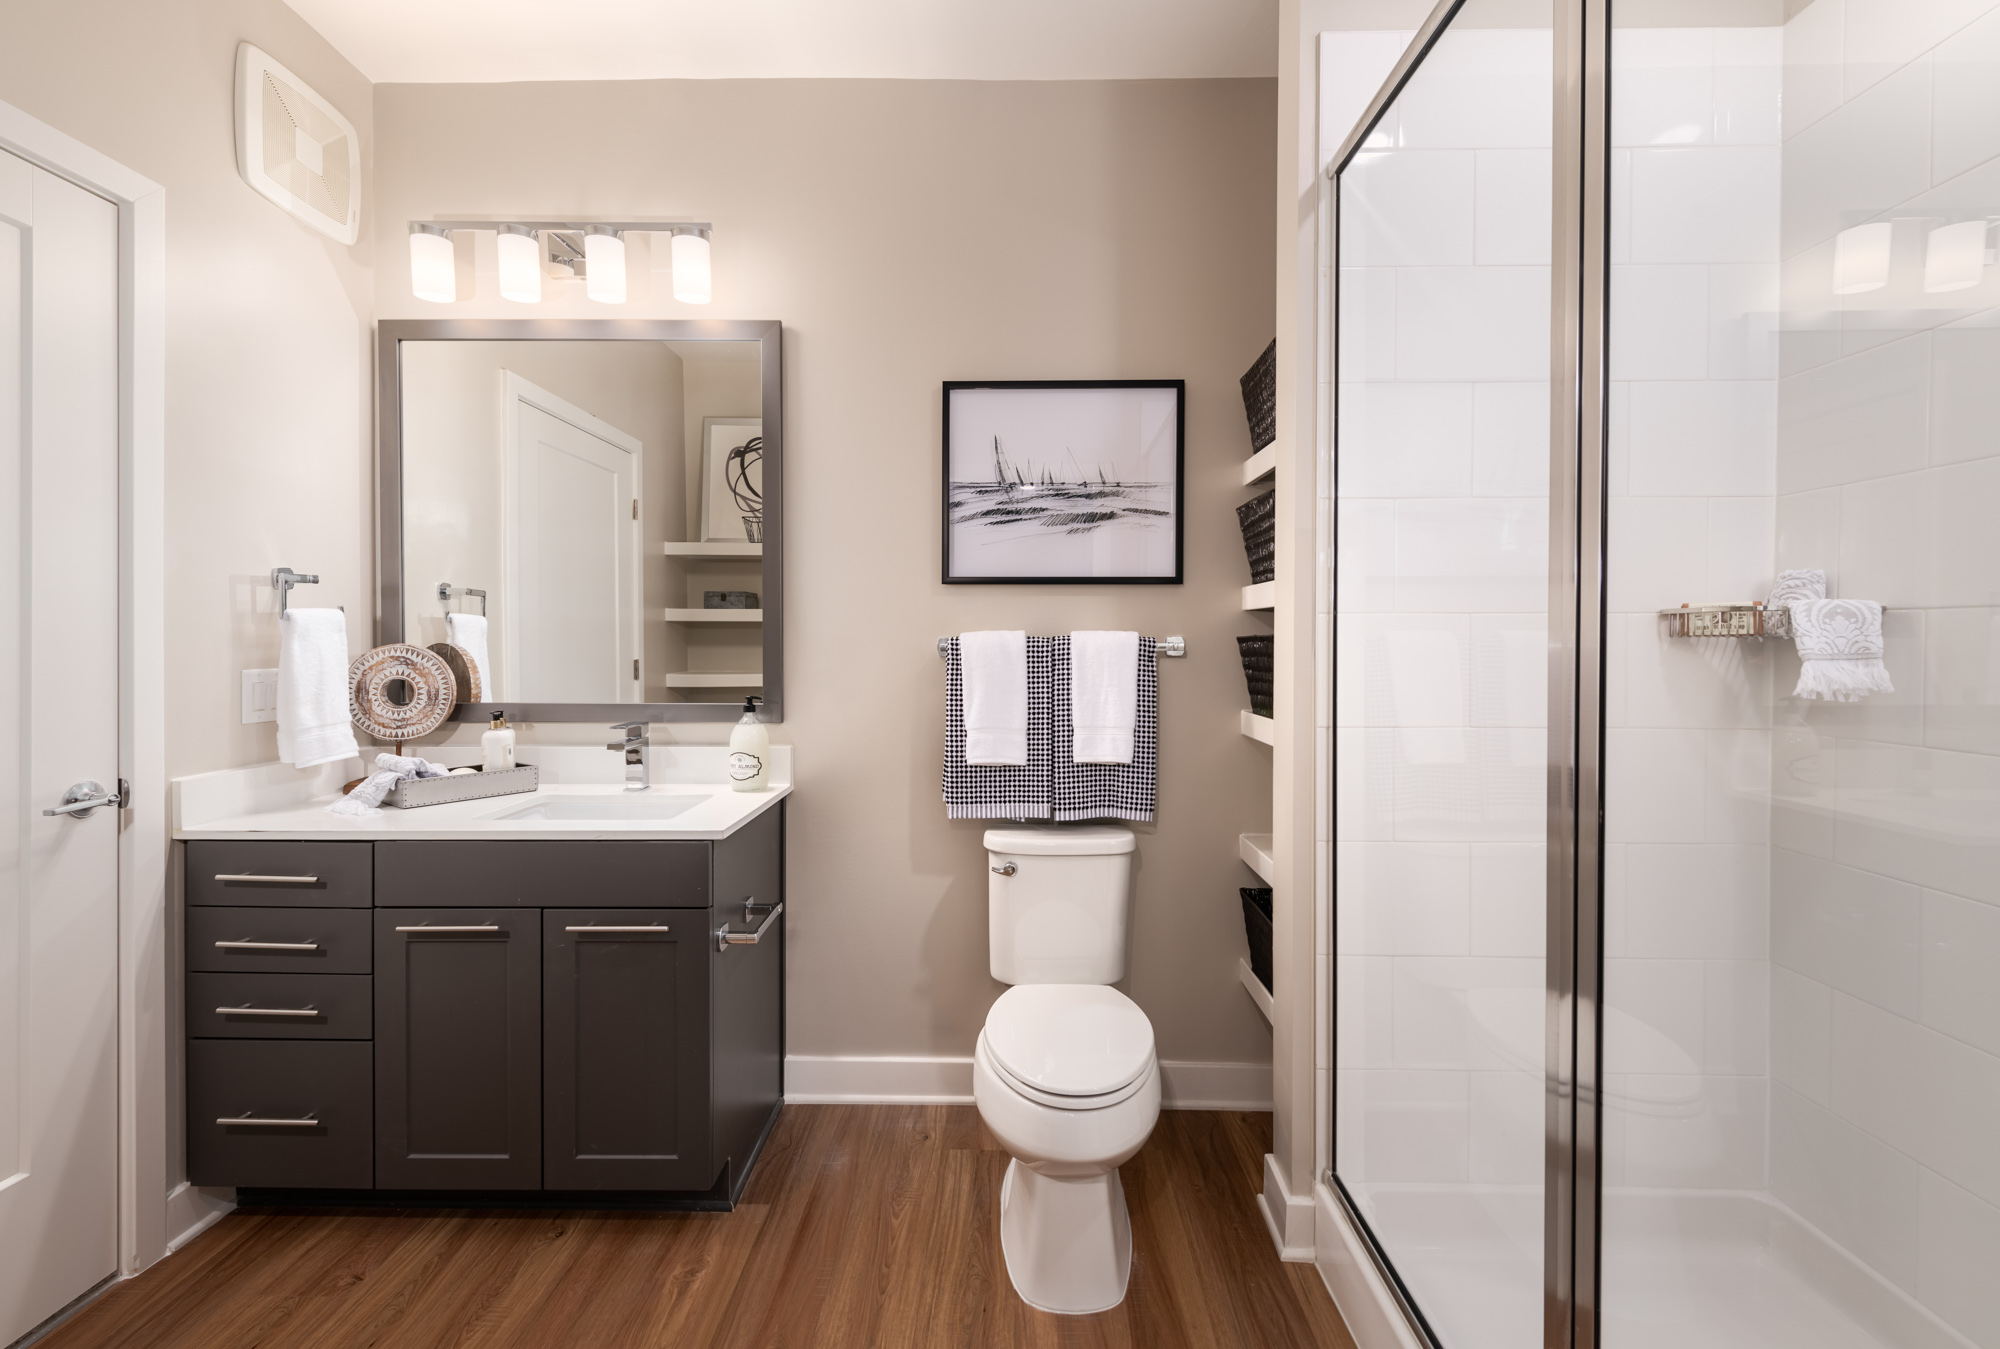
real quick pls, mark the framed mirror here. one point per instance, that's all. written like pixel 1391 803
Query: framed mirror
pixel 585 517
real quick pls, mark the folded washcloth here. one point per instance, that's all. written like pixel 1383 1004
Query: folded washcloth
pixel 390 769
pixel 312 689
pixel 1840 649
pixel 1000 791
pixel 1099 791
pixel 467 632
pixel 1103 695
pixel 995 674
pixel 1793 587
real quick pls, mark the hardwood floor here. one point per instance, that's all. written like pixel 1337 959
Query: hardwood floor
pixel 863 1225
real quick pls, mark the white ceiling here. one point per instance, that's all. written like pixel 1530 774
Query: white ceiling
pixel 454 41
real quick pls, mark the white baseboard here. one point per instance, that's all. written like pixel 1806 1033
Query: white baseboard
pixel 1287 1216
pixel 1374 1317
pixel 863 1080
pixel 192 1211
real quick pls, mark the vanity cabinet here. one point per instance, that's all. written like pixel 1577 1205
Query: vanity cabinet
pixel 553 1016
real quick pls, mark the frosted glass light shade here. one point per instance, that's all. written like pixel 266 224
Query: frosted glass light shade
pixel 520 266
pixel 433 270
pixel 1861 258
pixel 1955 256
pixel 604 267
pixel 691 269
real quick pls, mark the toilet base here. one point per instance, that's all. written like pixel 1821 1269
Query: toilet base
pixel 1067 1241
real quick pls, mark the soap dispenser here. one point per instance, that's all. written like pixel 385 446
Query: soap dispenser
pixel 750 750
pixel 497 745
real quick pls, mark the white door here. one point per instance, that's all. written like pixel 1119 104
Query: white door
pixel 58 727
pixel 570 610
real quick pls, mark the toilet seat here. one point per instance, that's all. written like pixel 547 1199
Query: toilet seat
pixel 1069 1046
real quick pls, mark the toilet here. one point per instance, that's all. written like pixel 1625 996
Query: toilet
pixel 1064 1073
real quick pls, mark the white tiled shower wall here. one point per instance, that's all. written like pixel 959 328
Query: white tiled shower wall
pixel 1885 917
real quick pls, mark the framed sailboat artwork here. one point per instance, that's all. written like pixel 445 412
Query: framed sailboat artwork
pixel 1064 482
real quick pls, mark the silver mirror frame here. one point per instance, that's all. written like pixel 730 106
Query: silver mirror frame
pixel 392 589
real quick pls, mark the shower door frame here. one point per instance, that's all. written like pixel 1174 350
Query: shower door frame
pixel 1578 390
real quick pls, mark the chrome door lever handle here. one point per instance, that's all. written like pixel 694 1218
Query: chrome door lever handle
pixel 87 796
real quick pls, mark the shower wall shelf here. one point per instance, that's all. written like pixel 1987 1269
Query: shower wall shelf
pixel 1727 620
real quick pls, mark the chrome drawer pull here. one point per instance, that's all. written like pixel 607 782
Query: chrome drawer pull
pixel 724 938
pixel 267 1011
pixel 269 880
pixel 600 927
pixel 268 945
pixel 463 927
pixel 307 1123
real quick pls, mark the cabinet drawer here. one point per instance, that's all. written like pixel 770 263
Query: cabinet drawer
pixel 317 1094
pixel 279 941
pixel 312 875
pixel 639 873
pixel 335 1006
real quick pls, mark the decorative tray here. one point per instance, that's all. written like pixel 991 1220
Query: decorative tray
pixel 464 787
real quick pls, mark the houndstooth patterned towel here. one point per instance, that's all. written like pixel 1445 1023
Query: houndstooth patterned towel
pixel 1100 791
pixel 1000 791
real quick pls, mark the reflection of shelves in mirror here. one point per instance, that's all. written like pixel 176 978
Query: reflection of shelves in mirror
pixel 1255 988
pixel 1260 728
pixel 1263 595
pixel 723 548
pixel 713 679
pixel 1255 850
pixel 714 615
pixel 1261 465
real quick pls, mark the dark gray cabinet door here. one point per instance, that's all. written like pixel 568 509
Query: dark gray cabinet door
pixel 458 1030
pixel 626 1050
pixel 749 998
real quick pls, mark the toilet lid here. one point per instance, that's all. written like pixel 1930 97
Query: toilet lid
pixel 1070 1039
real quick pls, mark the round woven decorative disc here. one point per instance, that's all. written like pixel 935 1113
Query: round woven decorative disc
pixel 463 670
pixel 433 692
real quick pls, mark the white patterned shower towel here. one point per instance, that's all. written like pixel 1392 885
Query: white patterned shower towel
pixel 1793 587
pixel 1840 649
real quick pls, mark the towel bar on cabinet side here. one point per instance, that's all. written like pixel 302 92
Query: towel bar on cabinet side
pixel 1162 646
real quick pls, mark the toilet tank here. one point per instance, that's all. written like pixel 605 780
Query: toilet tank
pixel 1058 903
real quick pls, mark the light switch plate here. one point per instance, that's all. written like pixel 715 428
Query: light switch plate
pixel 260 696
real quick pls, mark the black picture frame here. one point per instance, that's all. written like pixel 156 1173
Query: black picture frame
pixel 1179 493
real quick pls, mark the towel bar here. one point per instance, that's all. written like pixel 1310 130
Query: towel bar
pixel 282 581
pixel 1162 646
pixel 446 590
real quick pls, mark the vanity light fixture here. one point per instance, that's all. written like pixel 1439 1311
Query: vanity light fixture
pixel 604 264
pixel 520 252
pixel 1861 258
pixel 1955 256
pixel 433 269
pixel 691 278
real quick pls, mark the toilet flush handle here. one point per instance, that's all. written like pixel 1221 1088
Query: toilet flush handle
pixel 1007 870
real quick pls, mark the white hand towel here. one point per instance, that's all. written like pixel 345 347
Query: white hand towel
pixel 313 726
pixel 468 633
pixel 390 769
pixel 1793 587
pixel 1103 695
pixel 1840 649
pixel 995 668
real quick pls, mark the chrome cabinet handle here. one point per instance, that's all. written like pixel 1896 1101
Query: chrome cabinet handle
pixel 307 1123
pixel 267 880
pixel 601 927
pixel 724 938
pixel 1007 870
pixel 267 1011
pixel 86 796
pixel 268 945
pixel 461 927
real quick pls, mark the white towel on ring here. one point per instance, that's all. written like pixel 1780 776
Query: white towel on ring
pixel 1840 650
pixel 467 632
pixel 1103 695
pixel 313 726
pixel 995 671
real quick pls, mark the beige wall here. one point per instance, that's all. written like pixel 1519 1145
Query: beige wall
pixel 908 233
pixel 268 377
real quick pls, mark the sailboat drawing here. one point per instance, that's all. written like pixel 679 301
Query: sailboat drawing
pixel 1024 498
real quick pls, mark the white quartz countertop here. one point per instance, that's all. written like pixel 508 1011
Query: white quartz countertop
pixel 271 801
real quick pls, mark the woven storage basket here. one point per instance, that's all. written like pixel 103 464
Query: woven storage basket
pixel 1256 654
pixel 1259 520
pixel 1257 931
pixel 1260 398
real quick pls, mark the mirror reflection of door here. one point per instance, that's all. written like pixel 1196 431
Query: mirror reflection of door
pixel 570 605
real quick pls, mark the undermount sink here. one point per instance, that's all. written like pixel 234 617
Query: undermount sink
pixel 638 806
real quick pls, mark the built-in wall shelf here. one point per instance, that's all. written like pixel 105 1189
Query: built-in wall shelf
pixel 713 679
pixel 1260 728
pixel 1255 850
pixel 714 615
pixel 1255 988
pixel 722 548
pixel 1261 466
pixel 1263 595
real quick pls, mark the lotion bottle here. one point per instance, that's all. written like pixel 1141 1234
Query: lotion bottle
pixel 497 745
pixel 750 750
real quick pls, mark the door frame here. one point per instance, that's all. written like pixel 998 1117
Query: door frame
pixel 150 1220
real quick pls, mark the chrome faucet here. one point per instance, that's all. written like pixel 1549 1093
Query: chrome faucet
pixel 636 744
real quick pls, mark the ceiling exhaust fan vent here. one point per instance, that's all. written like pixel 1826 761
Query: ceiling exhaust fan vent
pixel 292 146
